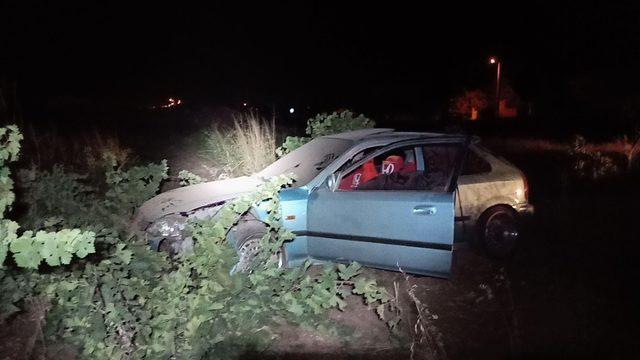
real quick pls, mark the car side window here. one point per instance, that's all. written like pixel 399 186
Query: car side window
pixel 440 164
pixel 398 169
pixel 475 164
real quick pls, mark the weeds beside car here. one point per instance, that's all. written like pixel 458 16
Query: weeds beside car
pixel 123 300
pixel 243 149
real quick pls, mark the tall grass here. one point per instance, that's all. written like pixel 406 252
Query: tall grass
pixel 242 149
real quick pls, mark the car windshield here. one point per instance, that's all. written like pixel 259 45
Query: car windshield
pixel 308 160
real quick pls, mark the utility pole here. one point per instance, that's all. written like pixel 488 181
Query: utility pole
pixel 494 60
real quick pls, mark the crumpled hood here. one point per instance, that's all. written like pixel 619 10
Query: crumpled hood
pixel 194 196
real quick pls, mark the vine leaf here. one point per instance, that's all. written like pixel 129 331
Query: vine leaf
pixel 348 272
pixel 123 255
pixel 25 251
pixel 3 252
pixel 53 248
pixel 84 244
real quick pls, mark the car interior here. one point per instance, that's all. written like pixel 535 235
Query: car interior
pixel 397 170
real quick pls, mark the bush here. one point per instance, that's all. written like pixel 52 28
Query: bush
pixel 337 122
pixel 326 124
pixel 188 178
pixel 588 164
pixel 244 149
pixel 81 151
pixel 129 302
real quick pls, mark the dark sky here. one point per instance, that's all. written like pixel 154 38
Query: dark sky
pixel 362 54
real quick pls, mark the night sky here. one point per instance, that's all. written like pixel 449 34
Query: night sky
pixel 372 57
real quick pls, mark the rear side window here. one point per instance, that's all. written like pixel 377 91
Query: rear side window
pixel 475 164
pixel 440 164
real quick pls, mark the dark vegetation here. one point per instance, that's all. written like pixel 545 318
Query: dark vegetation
pixel 73 272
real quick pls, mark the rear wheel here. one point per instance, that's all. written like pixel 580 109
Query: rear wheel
pixel 499 231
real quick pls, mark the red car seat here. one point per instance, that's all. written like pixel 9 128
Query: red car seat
pixel 360 176
pixel 409 167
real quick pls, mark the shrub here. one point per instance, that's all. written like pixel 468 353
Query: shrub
pixel 244 149
pixel 188 178
pixel 588 164
pixel 82 151
pixel 326 124
pixel 30 248
pixel 128 302
pixel 337 122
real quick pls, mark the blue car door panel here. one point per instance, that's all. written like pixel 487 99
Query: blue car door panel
pixel 410 231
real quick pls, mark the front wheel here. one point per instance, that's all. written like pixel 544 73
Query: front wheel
pixel 249 250
pixel 499 231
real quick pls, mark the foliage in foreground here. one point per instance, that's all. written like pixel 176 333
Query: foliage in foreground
pixel 126 301
pixel 30 248
pixel 326 124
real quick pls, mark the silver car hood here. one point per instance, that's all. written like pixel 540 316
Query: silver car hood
pixel 194 196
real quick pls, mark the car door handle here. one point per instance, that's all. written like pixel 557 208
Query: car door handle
pixel 424 210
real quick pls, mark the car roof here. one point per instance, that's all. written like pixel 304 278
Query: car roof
pixel 387 135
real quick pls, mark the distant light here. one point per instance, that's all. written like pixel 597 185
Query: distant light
pixel 171 103
pixel 291 110
pixel 492 60
pixel 244 104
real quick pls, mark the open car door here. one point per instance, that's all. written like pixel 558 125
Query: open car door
pixel 402 219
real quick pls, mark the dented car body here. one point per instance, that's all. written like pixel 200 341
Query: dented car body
pixel 391 200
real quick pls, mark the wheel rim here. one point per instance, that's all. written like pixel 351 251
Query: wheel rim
pixel 500 233
pixel 250 249
pixel 247 252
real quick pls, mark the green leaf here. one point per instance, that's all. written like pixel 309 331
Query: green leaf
pixel 84 244
pixel 26 252
pixel 3 252
pixel 295 308
pixel 123 255
pixel 53 248
pixel 346 273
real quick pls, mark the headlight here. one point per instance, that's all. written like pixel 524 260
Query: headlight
pixel 168 226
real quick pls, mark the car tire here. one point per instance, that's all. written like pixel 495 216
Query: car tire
pixel 498 231
pixel 249 248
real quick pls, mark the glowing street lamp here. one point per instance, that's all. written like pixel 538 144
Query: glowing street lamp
pixel 495 60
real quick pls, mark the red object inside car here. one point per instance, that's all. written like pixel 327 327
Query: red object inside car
pixel 409 167
pixel 360 176
pixel 392 164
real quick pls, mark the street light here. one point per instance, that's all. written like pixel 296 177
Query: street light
pixel 495 60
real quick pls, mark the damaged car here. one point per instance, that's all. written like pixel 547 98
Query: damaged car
pixel 386 199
